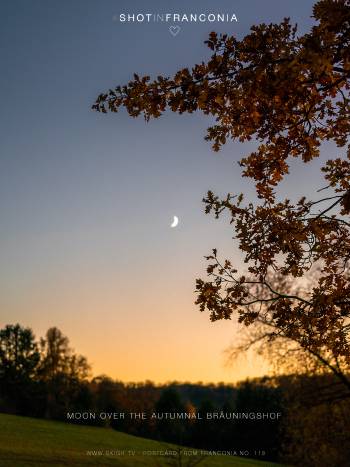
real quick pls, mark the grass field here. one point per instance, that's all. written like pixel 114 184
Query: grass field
pixel 29 442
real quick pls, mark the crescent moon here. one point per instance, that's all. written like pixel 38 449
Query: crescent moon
pixel 175 222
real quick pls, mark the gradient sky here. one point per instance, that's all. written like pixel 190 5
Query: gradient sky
pixel 86 200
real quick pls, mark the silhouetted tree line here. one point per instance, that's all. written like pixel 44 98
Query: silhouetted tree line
pixel 41 378
pixel 47 379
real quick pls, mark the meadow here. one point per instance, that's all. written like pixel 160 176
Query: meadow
pixel 30 442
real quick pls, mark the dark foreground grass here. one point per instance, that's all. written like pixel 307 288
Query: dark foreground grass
pixel 29 442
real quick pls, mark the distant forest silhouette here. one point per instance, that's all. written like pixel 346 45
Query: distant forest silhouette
pixel 45 378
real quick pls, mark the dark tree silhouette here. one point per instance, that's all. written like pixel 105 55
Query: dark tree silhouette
pixel 63 372
pixel 170 403
pixel 19 359
pixel 19 353
pixel 59 358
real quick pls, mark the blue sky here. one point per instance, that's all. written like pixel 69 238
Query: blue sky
pixel 86 200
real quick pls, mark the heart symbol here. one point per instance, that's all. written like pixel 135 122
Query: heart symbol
pixel 174 30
